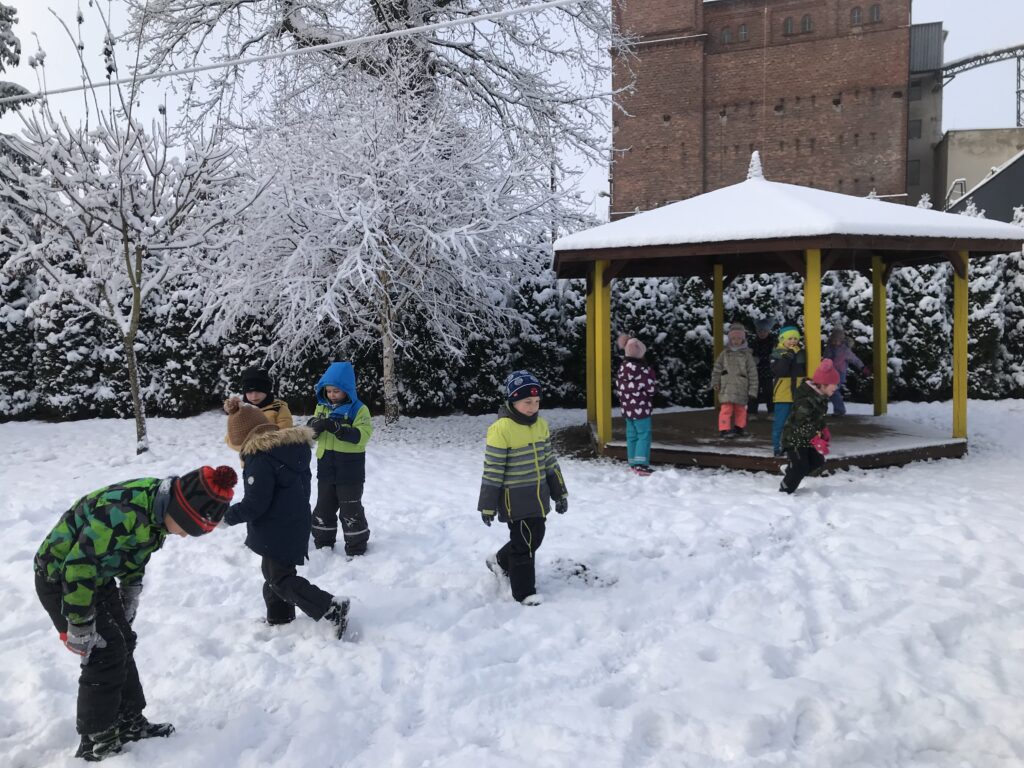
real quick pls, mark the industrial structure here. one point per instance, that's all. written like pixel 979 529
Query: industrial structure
pixel 841 95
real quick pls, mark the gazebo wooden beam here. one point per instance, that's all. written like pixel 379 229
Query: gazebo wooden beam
pixel 838 246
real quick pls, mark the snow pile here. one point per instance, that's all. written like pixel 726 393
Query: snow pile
pixel 693 618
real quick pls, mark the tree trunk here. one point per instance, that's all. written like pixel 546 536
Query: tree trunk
pixel 141 438
pixel 392 410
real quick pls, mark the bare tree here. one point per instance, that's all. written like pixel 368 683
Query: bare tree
pixel 108 210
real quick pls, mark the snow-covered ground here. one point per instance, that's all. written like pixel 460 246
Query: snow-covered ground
pixel 876 618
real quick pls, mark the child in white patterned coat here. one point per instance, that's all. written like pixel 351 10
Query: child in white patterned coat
pixel 635 386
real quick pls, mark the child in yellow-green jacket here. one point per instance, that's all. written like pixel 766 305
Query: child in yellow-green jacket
pixel 521 477
pixel 343 428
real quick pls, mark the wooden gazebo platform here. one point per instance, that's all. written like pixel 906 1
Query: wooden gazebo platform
pixel 690 438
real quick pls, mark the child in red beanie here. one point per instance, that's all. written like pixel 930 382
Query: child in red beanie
pixel 805 436
pixel 109 535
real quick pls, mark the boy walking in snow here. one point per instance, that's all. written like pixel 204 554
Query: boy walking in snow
pixel 789 367
pixel 521 476
pixel 258 390
pixel 635 386
pixel 276 512
pixel 806 438
pixel 842 356
pixel 762 346
pixel 734 380
pixel 89 576
pixel 342 427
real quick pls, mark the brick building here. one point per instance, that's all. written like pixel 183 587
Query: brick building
pixel 818 86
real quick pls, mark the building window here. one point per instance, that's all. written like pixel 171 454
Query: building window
pixel 914 129
pixel 726 36
pixel 876 12
pixel 914 173
pixel 806 25
pixel 742 34
pixel 856 17
pixel 787 26
pixel 915 90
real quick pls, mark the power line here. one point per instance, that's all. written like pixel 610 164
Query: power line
pixel 283 54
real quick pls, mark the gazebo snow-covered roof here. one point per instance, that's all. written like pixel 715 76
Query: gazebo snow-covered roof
pixel 760 226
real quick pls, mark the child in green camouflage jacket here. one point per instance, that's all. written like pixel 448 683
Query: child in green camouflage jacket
pixel 110 535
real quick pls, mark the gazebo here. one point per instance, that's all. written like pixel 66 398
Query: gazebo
pixel 760 226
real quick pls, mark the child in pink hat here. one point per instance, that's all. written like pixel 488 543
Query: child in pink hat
pixel 805 436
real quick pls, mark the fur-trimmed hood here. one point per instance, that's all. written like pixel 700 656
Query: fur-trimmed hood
pixel 266 441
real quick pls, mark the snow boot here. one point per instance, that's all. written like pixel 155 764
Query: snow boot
pixel 101 745
pixel 137 728
pixel 726 434
pixel 495 567
pixel 533 599
pixel 337 614
pixel 640 469
pixel 739 432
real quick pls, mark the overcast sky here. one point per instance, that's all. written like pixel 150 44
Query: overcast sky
pixel 981 98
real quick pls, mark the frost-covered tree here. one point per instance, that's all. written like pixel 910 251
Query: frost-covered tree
pixel 539 76
pixel 108 210
pixel 985 320
pixel 1013 319
pixel 388 218
pixel 10 56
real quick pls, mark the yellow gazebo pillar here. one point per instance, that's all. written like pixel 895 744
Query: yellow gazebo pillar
pixel 812 307
pixel 717 311
pixel 879 335
pixel 960 277
pixel 590 356
pixel 602 367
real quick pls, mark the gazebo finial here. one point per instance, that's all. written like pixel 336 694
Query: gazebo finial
pixel 755 171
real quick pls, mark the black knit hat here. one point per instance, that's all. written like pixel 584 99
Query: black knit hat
pixel 200 498
pixel 256 380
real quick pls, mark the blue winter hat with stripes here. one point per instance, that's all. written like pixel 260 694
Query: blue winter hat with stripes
pixel 520 385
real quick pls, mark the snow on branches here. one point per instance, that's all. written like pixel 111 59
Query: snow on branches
pixel 387 215
pixel 107 210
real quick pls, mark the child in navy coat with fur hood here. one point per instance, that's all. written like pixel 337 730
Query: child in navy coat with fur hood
pixel 276 512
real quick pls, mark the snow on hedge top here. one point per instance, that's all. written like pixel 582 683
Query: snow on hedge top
pixel 758 209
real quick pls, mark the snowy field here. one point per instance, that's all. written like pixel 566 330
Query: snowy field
pixel 876 618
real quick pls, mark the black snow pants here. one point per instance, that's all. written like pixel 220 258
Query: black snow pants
pixel 283 589
pixel 802 462
pixel 516 557
pixel 108 686
pixel 344 502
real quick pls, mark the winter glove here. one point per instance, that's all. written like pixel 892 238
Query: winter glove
pixel 130 595
pixel 319 425
pixel 826 435
pixel 82 638
pixel 820 444
pixel 562 505
pixel 487 515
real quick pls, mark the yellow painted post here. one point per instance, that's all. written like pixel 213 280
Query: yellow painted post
pixel 812 308
pixel 590 358
pixel 717 312
pixel 960 277
pixel 602 354
pixel 879 335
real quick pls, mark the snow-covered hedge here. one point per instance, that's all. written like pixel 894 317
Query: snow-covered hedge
pixel 58 362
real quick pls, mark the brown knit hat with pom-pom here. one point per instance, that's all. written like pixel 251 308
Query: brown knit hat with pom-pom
pixel 244 421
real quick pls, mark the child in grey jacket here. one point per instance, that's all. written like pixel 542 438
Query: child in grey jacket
pixel 734 380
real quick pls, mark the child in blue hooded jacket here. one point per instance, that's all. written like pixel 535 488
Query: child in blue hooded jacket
pixel 342 427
